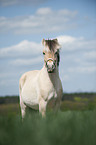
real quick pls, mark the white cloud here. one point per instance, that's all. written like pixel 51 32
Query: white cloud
pixel 70 43
pixel 24 48
pixel 24 62
pixel 66 39
pixel 90 55
pixel 43 20
pixel 78 55
pixel 44 11
pixel 68 13
pixel 82 69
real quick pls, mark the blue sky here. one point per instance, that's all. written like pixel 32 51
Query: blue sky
pixel 23 25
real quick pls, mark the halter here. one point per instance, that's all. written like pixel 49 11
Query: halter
pixel 54 63
pixel 49 60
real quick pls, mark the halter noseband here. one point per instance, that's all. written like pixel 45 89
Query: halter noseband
pixel 49 60
pixel 54 61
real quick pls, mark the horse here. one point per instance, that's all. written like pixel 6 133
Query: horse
pixel 42 89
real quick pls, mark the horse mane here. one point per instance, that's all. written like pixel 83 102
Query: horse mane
pixel 52 44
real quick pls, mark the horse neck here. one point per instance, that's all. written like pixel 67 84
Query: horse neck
pixel 52 76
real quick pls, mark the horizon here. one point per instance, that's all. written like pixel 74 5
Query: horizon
pixel 68 93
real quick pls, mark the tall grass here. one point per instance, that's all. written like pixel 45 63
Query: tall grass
pixel 64 128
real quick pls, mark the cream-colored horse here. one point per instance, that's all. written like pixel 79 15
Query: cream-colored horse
pixel 42 89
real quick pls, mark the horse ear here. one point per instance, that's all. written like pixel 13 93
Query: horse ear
pixel 57 43
pixel 55 40
pixel 43 41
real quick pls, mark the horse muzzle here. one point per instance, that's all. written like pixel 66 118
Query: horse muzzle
pixel 51 65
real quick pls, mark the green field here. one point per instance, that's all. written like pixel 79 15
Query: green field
pixel 75 124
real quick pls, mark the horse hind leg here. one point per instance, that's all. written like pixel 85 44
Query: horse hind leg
pixel 23 108
pixel 22 105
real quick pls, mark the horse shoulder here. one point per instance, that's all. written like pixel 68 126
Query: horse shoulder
pixel 25 77
pixel 22 81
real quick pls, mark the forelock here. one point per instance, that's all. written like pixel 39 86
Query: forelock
pixel 53 45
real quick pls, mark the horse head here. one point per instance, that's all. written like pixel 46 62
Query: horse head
pixel 51 54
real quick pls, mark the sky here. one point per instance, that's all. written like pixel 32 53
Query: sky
pixel 23 25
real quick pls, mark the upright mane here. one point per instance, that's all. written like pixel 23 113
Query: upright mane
pixel 52 44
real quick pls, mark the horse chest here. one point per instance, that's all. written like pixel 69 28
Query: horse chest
pixel 50 98
pixel 48 93
pixel 49 89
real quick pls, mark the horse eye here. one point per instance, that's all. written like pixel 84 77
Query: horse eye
pixel 43 53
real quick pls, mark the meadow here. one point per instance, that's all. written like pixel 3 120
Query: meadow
pixel 74 124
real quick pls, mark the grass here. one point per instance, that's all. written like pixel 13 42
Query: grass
pixel 9 109
pixel 63 128
pixel 75 124
pixel 79 104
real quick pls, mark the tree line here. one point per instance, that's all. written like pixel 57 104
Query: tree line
pixel 66 96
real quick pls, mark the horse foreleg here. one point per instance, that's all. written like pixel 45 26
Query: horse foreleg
pixel 57 104
pixel 42 107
